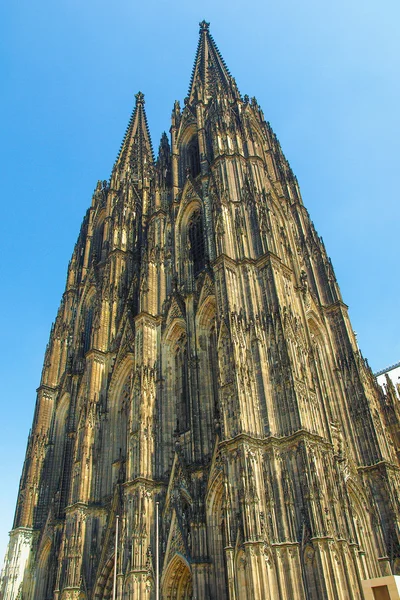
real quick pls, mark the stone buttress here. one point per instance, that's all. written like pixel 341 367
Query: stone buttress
pixel 203 358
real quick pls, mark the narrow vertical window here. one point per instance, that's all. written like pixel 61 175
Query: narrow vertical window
pixel 193 157
pixel 96 247
pixel 87 331
pixel 196 239
pixel 213 366
pixel 182 391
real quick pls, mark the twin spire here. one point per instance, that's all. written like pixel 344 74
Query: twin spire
pixel 210 73
pixel 136 154
pixel 209 76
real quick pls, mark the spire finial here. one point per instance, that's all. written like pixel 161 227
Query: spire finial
pixel 139 98
pixel 204 26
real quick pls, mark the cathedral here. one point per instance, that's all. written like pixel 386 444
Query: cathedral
pixel 205 426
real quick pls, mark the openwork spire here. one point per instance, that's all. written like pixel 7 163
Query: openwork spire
pixel 136 153
pixel 210 74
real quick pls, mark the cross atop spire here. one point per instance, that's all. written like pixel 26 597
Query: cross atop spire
pixel 210 73
pixel 136 153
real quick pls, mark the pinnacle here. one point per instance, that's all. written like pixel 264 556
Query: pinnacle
pixel 164 138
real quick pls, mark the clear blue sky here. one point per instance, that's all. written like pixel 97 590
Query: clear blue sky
pixel 327 77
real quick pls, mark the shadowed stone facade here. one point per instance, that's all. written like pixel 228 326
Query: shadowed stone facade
pixel 202 357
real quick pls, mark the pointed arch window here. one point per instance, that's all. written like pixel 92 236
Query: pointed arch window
pixel 87 327
pixel 182 389
pixel 213 366
pixel 196 240
pixel 96 247
pixel 193 157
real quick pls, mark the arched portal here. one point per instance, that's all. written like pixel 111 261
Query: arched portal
pixel 177 582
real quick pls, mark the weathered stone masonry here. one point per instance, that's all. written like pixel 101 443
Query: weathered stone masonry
pixel 202 357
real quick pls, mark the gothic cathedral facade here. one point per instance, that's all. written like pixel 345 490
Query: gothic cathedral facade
pixel 202 358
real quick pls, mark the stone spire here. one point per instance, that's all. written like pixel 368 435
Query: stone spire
pixel 202 358
pixel 136 153
pixel 210 73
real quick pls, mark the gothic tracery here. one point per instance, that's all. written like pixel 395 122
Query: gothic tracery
pixel 203 358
